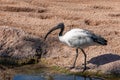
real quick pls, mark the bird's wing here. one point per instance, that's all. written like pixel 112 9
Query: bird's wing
pixel 84 38
pixel 96 38
pixel 80 38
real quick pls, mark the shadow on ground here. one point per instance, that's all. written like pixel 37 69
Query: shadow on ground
pixel 104 59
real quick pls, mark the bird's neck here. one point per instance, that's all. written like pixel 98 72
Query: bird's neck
pixel 61 31
pixel 61 34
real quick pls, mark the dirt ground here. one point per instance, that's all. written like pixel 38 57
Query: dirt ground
pixel 36 17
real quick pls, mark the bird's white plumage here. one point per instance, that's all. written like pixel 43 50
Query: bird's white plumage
pixel 79 38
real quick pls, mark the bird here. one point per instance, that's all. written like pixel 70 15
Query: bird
pixel 79 39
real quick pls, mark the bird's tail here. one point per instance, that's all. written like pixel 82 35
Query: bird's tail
pixel 100 40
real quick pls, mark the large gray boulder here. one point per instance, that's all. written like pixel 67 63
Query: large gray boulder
pixel 19 47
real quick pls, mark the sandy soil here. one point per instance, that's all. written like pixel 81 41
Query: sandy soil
pixel 38 16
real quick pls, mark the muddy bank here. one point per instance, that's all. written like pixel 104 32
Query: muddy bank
pixel 46 72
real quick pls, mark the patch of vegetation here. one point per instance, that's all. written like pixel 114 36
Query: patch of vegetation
pixel 57 69
pixel 44 67
pixel 98 74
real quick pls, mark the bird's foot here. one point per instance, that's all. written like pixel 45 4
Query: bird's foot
pixel 71 67
pixel 84 70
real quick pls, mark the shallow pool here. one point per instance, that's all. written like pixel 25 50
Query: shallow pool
pixel 51 77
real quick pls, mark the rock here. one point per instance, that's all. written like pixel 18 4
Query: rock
pixel 19 47
pixel 111 68
pixel 107 63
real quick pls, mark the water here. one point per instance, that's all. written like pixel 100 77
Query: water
pixel 34 72
pixel 51 77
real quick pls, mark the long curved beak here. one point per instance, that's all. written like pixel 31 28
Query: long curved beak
pixel 53 29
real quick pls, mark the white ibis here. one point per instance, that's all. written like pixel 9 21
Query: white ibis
pixel 79 39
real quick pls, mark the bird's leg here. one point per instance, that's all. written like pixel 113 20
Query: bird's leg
pixel 75 59
pixel 85 56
